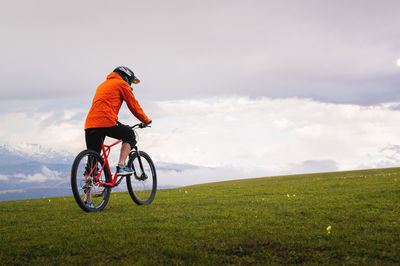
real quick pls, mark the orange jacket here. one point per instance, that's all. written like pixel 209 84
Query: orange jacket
pixel 108 100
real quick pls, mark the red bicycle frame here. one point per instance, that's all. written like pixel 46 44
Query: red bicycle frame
pixel 106 151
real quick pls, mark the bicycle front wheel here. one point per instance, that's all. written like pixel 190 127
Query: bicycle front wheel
pixel 142 185
pixel 85 176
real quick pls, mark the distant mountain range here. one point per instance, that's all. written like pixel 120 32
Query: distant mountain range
pixel 32 171
pixel 32 152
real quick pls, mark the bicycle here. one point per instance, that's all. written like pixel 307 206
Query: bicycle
pixel 91 178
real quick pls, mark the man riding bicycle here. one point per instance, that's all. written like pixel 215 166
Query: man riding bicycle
pixel 102 119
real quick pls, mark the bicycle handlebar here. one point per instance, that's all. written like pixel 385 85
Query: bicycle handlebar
pixel 140 125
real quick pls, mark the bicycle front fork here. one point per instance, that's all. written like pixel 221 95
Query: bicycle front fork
pixel 143 175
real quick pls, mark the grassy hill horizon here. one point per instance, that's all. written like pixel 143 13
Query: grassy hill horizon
pixel 349 217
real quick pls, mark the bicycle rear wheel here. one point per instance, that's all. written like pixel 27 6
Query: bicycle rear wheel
pixel 142 185
pixel 88 192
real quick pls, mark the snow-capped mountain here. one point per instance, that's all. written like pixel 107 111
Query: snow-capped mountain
pixel 25 152
pixel 32 171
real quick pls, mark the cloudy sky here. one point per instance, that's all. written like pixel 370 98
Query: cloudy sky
pixel 240 88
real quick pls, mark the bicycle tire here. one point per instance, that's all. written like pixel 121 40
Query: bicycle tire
pixel 78 172
pixel 142 191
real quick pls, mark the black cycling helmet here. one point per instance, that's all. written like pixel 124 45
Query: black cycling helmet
pixel 126 74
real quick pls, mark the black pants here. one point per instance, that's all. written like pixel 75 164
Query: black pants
pixel 95 136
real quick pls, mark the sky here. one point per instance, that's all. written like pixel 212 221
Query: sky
pixel 238 88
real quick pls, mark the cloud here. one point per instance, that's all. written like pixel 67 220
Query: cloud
pixel 45 175
pixel 53 129
pixel 388 156
pixel 343 52
pixel 270 133
pixel 313 166
pixel 232 136
pixel 206 175
pixel 12 191
pixel 3 178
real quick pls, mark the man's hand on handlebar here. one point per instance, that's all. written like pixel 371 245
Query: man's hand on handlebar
pixel 146 124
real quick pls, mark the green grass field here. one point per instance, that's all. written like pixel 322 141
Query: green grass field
pixel 329 218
